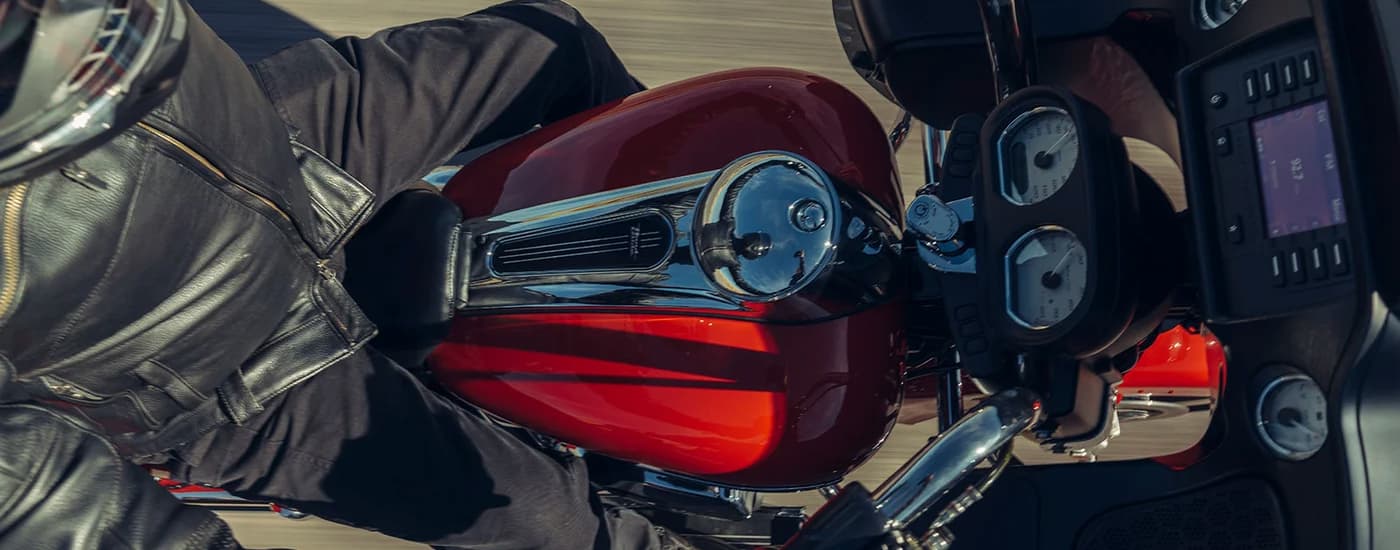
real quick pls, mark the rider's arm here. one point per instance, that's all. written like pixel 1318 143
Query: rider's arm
pixel 62 486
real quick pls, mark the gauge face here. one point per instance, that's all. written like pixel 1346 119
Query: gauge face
pixel 1292 416
pixel 1046 273
pixel 1038 150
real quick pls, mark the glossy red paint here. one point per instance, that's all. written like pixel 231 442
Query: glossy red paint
pixel 732 401
pixel 688 127
pixel 731 398
pixel 1177 363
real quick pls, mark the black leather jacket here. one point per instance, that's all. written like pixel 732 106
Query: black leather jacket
pixel 171 281
pixel 183 274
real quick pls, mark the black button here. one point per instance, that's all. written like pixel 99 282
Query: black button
pixel 1288 74
pixel 1268 81
pixel 1235 230
pixel 970 328
pixel 1251 86
pixel 966 312
pixel 1277 266
pixel 964 153
pixel 1307 68
pixel 1317 262
pixel 960 169
pixel 1218 99
pixel 976 345
pixel 965 138
pixel 1297 267
pixel 1221 139
pixel 1340 263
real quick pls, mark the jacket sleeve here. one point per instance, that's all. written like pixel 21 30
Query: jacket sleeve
pixel 63 487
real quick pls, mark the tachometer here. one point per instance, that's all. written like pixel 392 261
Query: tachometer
pixel 1046 274
pixel 1037 152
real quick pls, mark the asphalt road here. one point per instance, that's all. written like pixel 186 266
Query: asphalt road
pixel 661 41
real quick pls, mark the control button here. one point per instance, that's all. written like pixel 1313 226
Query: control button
pixel 1297 267
pixel 1251 86
pixel 964 153
pixel 1288 74
pixel 970 328
pixel 1307 68
pixel 976 345
pixel 1235 230
pixel 1317 260
pixel 1218 99
pixel 965 312
pixel 1279 279
pixel 1340 263
pixel 965 138
pixel 960 169
pixel 1268 81
pixel 1221 138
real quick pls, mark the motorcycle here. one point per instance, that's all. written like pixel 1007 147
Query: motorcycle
pixel 715 289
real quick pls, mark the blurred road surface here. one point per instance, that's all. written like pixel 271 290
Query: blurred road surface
pixel 661 41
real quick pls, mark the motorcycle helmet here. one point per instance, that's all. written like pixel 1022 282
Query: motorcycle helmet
pixel 73 73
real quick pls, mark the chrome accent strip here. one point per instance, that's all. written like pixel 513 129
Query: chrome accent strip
pixel 559 213
pixel 947 459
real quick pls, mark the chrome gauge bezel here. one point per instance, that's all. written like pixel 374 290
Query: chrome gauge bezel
pixel 1015 125
pixel 1008 271
pixel 1262 396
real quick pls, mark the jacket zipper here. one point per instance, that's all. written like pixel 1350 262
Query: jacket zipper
pixel 322 265
pixel 9 249
pixel 203 161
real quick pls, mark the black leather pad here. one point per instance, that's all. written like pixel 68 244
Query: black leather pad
pixel 400 268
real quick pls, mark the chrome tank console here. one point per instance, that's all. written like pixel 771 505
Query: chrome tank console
pixel 769 236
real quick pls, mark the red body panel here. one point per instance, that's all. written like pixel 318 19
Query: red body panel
pixel 728 400
pixel 686 128
pixel 733 400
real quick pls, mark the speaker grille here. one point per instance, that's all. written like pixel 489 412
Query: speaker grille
pixel 1242 514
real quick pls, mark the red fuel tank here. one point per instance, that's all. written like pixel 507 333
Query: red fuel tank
pixel 704 278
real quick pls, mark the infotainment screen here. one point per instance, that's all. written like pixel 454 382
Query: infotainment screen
pixel 1298 170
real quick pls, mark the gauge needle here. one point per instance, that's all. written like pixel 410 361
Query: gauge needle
pixel 1052 278
pixel 1061 264
pixel 1046 158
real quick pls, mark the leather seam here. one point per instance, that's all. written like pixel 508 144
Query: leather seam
pixel 97 289
pixel 178 378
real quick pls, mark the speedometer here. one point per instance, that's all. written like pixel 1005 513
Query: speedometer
pixel 1047 270
pixel 1036 153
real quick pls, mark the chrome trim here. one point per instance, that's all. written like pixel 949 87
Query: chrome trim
pixel 666 240
pixel 963 261
pixel 1006 276
pixel 861 266
pixel 947 459
pixel 1016 124
pixel 934 141
pixel 714 203
pixel 680 493
pixel 900 131
pixel 829 491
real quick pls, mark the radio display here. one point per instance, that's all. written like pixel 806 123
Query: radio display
pixel 1298 170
